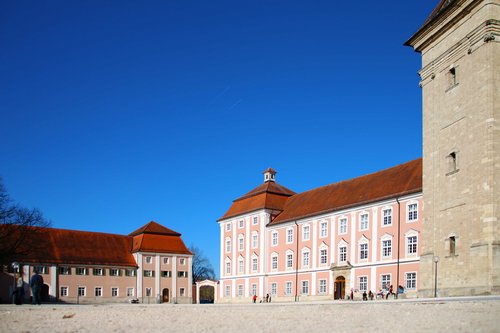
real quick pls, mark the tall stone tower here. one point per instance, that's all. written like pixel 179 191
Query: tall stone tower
pixel 460 80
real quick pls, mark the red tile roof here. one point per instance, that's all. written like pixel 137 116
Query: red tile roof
pixel 159 244
pixel 154 228
pixel 386 184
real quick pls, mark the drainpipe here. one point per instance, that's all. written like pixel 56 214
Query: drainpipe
pixel 399 237
pixel 297 265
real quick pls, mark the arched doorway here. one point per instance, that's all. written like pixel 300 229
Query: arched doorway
pixel 207 294
pixel 165 296
pixel 339 292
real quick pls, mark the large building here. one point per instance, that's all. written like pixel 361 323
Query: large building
pixel 150 265
pixel 361 234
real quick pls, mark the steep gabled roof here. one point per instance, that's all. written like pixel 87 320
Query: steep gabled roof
pixel 153 237
pixel 386 184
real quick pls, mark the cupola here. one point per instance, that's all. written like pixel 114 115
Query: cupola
pixel 269 175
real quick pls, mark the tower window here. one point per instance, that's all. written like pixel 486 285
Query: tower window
pixel 451 160
pixel 451 76
pixel 453 244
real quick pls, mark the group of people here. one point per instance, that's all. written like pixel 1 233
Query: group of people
pixel 381 294
pixel 36 284
pixel 265 300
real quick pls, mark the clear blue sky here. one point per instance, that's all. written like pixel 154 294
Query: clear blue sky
pixel 115 113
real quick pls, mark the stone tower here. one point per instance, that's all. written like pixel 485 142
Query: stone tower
pixel 460 80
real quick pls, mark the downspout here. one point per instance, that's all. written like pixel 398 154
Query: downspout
pixel 297 265
pixel 399 237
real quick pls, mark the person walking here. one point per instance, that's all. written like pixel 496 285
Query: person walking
pixel 36 285
pixel 19 291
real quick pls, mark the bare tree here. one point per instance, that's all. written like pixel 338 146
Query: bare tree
pixel 202 268
pixel 19 227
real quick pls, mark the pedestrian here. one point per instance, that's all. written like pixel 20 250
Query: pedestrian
pixel 390 292
pixel 36 285
pixel 254 298
pixel 370 294
pixel 365 297
pixel 267 298
pixel 19 291
pixel 352 294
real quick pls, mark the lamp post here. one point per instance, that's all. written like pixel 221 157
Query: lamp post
pixel 436 260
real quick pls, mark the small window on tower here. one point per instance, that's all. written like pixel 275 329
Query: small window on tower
pixel 451 160
pixel 451 76
pixel 453 244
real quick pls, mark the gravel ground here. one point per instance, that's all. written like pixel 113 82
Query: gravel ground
pixel 442 315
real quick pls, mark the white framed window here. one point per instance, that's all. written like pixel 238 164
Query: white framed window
pixel 412 212
pixel 274 289
pixel 240 290
pixel 114 272
pixel 385 281
pixel 274 238
pixel 363 222
pixel 130 272
pixel 42 269
pixel 387 217
pixel 63 291
pixel 255 220
pixel 114 292
pixel 241 224
pixel 342 253
pixel 148 292
pixel 82 291
pixel 255 240
pixel 228 291
pixel 343 226
pixel 81 271
pixel 241 243
pixel 305 287
pixel 289 260
pixel 274 262
pixel 411 244
pixel 253 289
pixel 149 259
pixel 288 288
pixel 323 229
pixel 166 274
pixel 305 258
pixel 166 260
pixel 255 264
pixel 149 273
pixel 411 280
pixel 289 235
pixel 323 256
pixel 228 245
pixel 363 283
pixel 241 265
pixel 228 226
pixel 306 232
pixel 228 267
pixel 99 271
pixel 182 261
pixel 63 270
pixel 322 287
pixel 182 292
pixel 182 274
pixel 363 251
pixel 130 292
pixel 386 248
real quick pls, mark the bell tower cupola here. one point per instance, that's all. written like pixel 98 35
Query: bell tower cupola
pixel 269 175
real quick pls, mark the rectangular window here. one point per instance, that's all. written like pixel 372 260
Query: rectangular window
pixel 241 224
pixel 387 217
pixel 228 226
pixel 363 283
pixel 288 288
pixel 99 271
pixel 274 289
pixel 274 238
pixel 149 259
pixel 228 245
pixel 289 261
pixel 385 281
pixel 322 287
pixel 64 270
pixel 363 251
pixel 289 235
pixel 240 290
pixel 241 266
pixel 411 280
pixel 63 291
pixel 148 292
pixel 228 268
pixel 81 271
pixel 166 260
pixel 166 274
pixel 305 288
pixel 306 233
pixel 255 264
pixel 182 261
pixel 305 259
pixel 130 292
pixel 453 246
pixel 412 212
pixel 342 254
pixel 363 222
pixel 241 243
pixel 182 292
pixel 42 269
pixel 254 289
pixel 412 244
pixel 343 226
pixel 130 272
pixel 228 291
pixel 323 229
pixel 323 257
pixel 255 220
pixel 114 292
pixel 114 272
pixel 274 263
pixel 182 274
pixel 149 273
pixel 387 248
pixel 82 291
pixel 255 240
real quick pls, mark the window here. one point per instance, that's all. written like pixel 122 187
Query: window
pixel 305 288
pixel 274 289
pixel 240 290
pixel 411 280
pixel 343 254
pixel 451 77
pixel 228 291
pixel 182 274
pixel 323 257
pixel 385 281
pixel 240 243
pixel 412 212
pixel 289 235
pixel 148 292
pixel 343 226
pixel 149 259
pixel 166 260
pixel 228 226
pixel 98 271
pixel 387 220
pixel 323 227
pixel 228 245
pixel 322 287
pixel 451 160
pixel 255 264
pixel 255 220
pixel 363 222
pixel 453 244
pixel 254 289
pixel 363 283
pixel 63 291
pixel 387 248
pixel 149 273
pixel 305 259
pixel 182 261
pixel 64 270
pixel 130 272
pixel 182 292
pixel 82 291
pixel 228 267
pixel 81 271
pixel 255 240
pixel 166 274
pixel 274 237
pixel 241 266
pixel 114 272
pixel 241 224
pixel 274 262
pixel 305 233
pixel 289 261
pixel 288 288
pixel 363 251
pixel 42 269
pixel 130 292
pixel 411 242
pixel 114 292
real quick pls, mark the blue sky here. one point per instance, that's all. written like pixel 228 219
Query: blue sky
pixel 115 113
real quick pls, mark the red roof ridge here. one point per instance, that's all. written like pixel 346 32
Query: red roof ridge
pixel 268 187
pixel 153 227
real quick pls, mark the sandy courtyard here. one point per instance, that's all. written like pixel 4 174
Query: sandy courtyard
pixel 378 316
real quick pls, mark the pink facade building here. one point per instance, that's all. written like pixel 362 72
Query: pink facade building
pixel 150 265
pixel 357 235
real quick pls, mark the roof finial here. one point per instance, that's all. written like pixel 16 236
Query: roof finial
pixel 269 175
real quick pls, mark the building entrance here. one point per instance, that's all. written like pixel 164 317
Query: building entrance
pixel 165 296
pixel 339 292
